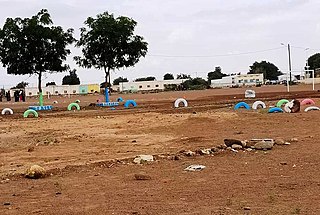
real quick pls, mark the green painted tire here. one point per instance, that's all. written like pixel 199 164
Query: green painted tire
pixel 282 102
pixel 70 106
pixel 33 112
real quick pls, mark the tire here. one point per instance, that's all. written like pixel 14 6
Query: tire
pixel 282 102
pixel 242 104
pixel 287 107
pixel 30 111
pixel 275 110
pixel 7 110
pixel 307 102
pixel 130 102
pixel 77 101
pixel 311 108
pixel 256 104
pixel 70 106
pixel 120 99
pixel 178 101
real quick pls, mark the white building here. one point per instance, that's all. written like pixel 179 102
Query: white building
pixel 148 85
pixel 238 80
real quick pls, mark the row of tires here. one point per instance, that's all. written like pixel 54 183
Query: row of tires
pixel 287 106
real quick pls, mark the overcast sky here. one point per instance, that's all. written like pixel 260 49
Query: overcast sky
pixel 189 36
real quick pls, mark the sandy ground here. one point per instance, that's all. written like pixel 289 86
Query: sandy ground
pixel 90 152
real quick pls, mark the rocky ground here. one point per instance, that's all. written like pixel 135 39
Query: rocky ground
pixel 92 165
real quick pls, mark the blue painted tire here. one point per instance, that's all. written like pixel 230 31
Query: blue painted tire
pixel 130 102
pixel 242 104
pixel 275 110
pixel 120 99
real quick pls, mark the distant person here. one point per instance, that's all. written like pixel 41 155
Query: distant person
pixel 1 96
pixel 8 96
pixel 23 96
pixel 16 96
pixel 20 96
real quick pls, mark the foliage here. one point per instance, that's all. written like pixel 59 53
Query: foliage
pixel 51 83
pixel 109 43
pixel 269 70
pixel 195 84
pixel 168 76
pixel 216 74
pixel 314 61
pixel 21 85
pixel 71 79
pixel 105 85
pixel 150 78
pixel 183 76
pixel 119 80
pixel 32 46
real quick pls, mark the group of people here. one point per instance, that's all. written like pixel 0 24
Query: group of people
pixel 19 95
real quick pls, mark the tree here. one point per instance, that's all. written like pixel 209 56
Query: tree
pixel 195 84
pixel 216 74
pixel 269 70
pixel 183 76
pixel 150 78
pixel 33 46
pixel 21 85
pixel 168 76
pixel 51 83
pixel 314 61
pixel 109 43
pixel 71 79
pixel 118 80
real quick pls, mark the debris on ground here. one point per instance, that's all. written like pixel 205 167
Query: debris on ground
pixel 193 168
pixel 140 159
pixel 142 176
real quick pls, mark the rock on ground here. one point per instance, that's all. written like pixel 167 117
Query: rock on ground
pixel 35 172
pixel 264 145
pixel 143 158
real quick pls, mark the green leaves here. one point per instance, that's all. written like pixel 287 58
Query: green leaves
pixel 33 46
pixel 269 70
pixel 109 43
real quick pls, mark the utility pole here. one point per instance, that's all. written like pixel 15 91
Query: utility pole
pixel 289 54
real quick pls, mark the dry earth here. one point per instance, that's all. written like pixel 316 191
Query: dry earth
pixel 88 155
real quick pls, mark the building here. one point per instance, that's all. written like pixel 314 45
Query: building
pixel 148 85
pixel 64 90
pixel 238 80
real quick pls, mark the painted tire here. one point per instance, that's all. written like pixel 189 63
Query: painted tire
pixel 178 101
pixel 120 99
pixel 70 106
pixel 256 104
pixel 242 104
pixel 30 111
pixel 287 107
pixel 130 102
pixel 311 108
pixel 275 110
pixel 55 102
pixel 281 102
pixel 7 110
pixel 307 102
pixel 77 101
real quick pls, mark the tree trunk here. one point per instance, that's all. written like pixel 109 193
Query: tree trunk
pixel 107 77
pixel 40 89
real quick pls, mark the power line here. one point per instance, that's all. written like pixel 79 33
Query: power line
pixel 212 56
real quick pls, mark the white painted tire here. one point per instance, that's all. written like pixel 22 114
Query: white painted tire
pixel 287 107
pixel 6 110
pixel 178 101
pixel 256 104
pixel 311 108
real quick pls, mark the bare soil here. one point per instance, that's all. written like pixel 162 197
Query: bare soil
pixel 88 155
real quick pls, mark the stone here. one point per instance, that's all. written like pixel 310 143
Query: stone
pixel 264 145
pixel 236 147
pixel 140 159
pixel 230 142
pixel 204 151
pixel 294 140
pixel 279 142
pixel 189 153
pixel 251 143
pixel 222 146
pixel 176 158
pixel 142 176
pixel 30 148
pixel 35 172
pixel 214 149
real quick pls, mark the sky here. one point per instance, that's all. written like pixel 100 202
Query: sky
pixel 188 36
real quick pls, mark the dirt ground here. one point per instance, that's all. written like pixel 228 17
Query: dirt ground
pixel 88 155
